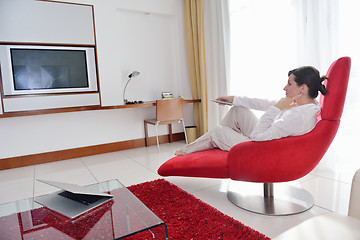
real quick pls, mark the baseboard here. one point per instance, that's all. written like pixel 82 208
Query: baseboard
pixel 33 159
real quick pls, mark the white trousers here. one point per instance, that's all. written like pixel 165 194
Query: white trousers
pixel 235 128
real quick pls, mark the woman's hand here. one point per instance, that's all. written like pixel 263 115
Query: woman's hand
pixel 229 99
pixel 287 102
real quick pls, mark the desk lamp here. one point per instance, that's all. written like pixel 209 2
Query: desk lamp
pixel 131 75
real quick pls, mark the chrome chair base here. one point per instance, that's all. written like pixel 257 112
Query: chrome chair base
pixel 284 200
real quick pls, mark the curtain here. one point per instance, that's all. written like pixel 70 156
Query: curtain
pixel 195 48
pixel 318 46
pixel 318 24
pixel 217 46
pixel 341 153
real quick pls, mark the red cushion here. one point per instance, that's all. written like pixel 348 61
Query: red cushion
pixel 210 164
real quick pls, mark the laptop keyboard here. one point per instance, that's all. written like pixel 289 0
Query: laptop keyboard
pixel 81 198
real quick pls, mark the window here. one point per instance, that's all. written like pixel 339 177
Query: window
pixel 263 46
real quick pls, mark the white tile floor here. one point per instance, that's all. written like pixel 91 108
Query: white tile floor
pixel 330 189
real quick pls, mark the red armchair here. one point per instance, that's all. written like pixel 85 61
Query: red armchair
pixel 274 161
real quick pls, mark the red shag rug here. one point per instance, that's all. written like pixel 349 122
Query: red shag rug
pixel 187 217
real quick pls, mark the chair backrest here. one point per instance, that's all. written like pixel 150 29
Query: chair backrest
pixel 169 109
pixel 332 104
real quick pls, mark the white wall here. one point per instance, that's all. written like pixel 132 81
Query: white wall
pixel 142 35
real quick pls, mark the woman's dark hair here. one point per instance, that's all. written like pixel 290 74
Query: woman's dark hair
pixel 311 77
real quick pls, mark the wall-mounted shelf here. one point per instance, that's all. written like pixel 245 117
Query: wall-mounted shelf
pixel 85 108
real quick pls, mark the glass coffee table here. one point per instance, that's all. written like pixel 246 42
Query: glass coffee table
pixel 125 216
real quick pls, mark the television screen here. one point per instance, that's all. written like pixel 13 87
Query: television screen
pixel 38 69
pixel 48 69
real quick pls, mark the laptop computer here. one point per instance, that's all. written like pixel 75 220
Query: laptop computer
pixel 72 200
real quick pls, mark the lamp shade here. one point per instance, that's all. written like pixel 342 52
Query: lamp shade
pixel 133 74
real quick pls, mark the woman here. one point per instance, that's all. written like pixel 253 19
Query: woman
pixel 294 115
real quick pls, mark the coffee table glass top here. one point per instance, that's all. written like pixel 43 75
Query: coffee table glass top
pixel 123 216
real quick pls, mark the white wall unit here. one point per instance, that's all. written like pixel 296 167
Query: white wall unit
pixel 142 35
pixel 50 102
pixel 39 21
pixel 30 21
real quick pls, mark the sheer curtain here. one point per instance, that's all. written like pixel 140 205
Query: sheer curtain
pixel 217 48
pixel 317 24
pixel 343 152
pixel 326 35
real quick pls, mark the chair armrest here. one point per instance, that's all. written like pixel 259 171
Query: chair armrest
pixel 354 205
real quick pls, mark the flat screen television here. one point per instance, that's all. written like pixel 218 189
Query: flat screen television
pixel 35 69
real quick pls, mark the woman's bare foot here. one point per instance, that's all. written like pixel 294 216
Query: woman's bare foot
pixel 179 152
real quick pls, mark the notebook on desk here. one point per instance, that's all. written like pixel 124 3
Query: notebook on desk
pixel 72 200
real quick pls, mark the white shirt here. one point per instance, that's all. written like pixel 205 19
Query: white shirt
pixel 275 123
